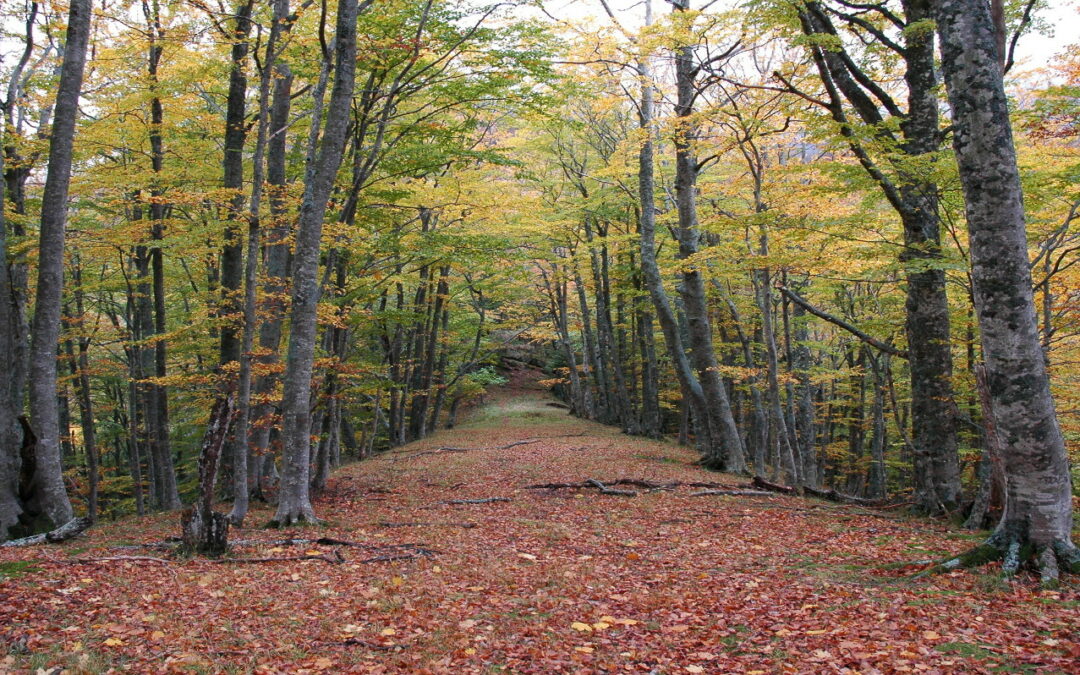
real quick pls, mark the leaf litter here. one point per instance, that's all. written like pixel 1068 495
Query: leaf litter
pixel 566 580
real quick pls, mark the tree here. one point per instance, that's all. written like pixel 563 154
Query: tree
pixel 45 329
pixel 1038 516
pixel 294 501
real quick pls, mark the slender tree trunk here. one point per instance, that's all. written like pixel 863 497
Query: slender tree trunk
pixel 694 405
pixel 294 502
pixel 45 330
pixel 10 398
pixel 1038 509
pixel 277 260
pixel 169 496
pixel 230 308
pixel 242 473
pixel 726 452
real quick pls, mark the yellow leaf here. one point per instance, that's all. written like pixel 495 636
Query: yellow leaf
pixel 816 632
pixel 930 635
pixel 682 628
pixel 323 663
pixel 313 552
pixel 387 632
pixel 601 625
pixel 608 619
pixel 627 622
pixel 397 581
pixel 86 580
pixel 114 642
pixel 470 651
pixel 584 650
pixel 157 635
pixel 583 627
pixel 695 669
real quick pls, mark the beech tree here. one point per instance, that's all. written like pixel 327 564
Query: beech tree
pixel 1038 516
pixel 45 328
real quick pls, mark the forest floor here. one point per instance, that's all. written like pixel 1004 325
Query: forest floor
pixel 551 581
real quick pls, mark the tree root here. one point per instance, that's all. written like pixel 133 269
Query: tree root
pixel 295 519
pixel 1049 561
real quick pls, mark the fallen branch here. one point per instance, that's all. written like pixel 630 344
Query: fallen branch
pixel 392 524
pixel 358 642
pixel 335 559
pixel 732 493
pixel 121 558
pixel 448 449
pixel 634 482
pixel 828 495
pixel 68 530
pixel 487 500
pixel 763 484
pixel 329 541
pixel 605 490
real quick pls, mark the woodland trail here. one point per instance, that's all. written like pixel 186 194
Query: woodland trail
pixel 552 581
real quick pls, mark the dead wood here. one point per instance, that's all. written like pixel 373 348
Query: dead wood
pixel 68 530
pixel 120 558
pixel 486 500
pixel 763 484
pixel 829 495
pixel 358 642
pixel 335 558
pixel 448 449
pixel 605 490
pixel 732 493
pixel 392 524
pixel 633 482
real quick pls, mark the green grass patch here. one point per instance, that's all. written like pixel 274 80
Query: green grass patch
pixel 16 569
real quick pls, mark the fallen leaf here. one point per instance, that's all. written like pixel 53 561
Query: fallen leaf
pixel 582 627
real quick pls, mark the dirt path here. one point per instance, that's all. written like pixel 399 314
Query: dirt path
pixel 551 581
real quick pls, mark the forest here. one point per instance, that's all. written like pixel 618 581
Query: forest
pixel 823 251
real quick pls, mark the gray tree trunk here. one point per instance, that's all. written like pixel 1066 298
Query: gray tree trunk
pixel 294 501
pixel 1038 509
pixel 10 400
pixel 45 329
pixel 726 451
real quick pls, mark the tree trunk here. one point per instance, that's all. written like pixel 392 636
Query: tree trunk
pixel 693 398
pixel 726 451
pixel 205 531
pixel 1038 510
pixel 10 398
pixel 294 502
pixel 45 330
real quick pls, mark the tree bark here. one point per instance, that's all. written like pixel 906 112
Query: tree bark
pixel 45 330
pixel 1038 510
pixel 726 452
pixel 294 501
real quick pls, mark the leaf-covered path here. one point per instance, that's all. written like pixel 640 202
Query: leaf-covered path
pixel 551 581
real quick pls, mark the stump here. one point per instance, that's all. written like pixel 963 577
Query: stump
pixel 204 533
